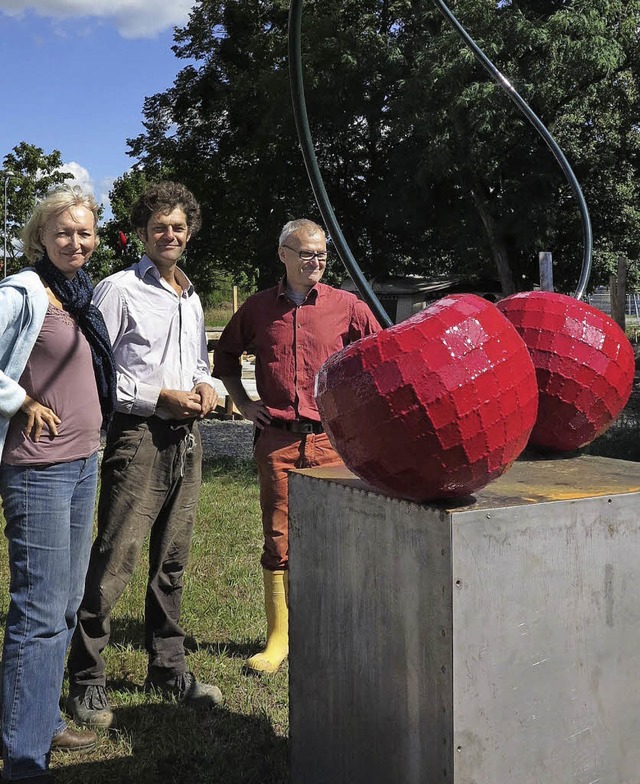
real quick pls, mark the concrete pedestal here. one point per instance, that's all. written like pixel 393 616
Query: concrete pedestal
pixel 496 641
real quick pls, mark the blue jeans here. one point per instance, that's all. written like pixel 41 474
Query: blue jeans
pixel 49 515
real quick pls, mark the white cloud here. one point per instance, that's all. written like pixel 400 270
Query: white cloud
pixel 102 191
pixel 81 175
pixel 82 178
pixel 132 18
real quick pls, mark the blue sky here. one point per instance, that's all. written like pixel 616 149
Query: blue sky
pixel 75 74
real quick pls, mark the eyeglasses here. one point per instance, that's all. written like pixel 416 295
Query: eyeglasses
pixel 308 255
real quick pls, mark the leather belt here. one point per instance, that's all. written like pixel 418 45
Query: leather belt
pixel 298 426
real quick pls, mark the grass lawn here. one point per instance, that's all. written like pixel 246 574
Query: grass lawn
pixel 217 316
pixel 245 742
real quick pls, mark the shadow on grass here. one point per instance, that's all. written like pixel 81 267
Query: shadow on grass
pixel 230 649
pixel 622 440
pixel 174 744
pixel 129 632
pixel 230 468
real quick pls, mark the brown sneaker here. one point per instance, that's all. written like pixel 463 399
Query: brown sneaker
pixel 71 740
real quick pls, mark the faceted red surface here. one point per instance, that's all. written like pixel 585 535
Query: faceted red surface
pixel 584 365
pixel 434 407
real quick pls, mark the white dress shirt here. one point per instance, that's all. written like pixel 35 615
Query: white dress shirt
pixel 158 336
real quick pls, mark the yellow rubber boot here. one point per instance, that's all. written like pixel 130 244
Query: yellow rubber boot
pixel 276 604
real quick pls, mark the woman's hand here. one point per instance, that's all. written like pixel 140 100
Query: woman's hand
pixel 37 417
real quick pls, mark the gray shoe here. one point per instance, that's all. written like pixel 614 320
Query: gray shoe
pixel 89 706
pixel 185 688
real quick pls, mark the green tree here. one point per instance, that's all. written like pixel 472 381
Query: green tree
pixel 33 173
pixel 576 64
pixel 226 129
pixel 103 260
pixel 429 166
pixel 126 189
pixel 124 192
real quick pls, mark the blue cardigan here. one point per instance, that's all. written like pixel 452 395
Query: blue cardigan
pixel 23 306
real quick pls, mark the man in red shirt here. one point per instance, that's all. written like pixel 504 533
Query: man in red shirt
pixel 292 328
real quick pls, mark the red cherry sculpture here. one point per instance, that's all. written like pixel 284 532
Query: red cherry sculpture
pixel 584 364
pixel 434 407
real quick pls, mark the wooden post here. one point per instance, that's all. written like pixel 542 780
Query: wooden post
pixel 545 263
pixel 228 403
pixel 621 292
pixel 613 296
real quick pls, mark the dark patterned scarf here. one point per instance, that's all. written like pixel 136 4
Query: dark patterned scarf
pixel 75 295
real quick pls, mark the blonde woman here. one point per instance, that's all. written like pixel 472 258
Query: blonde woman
pixel 57 384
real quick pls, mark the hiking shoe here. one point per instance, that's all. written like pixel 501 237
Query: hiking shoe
pixel 70 740
pixel 89 706
pixel 185 688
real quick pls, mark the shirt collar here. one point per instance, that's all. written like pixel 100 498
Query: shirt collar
pixel 145 265
pixel 312 295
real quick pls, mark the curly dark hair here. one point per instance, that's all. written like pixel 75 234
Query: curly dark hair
pixel 164 197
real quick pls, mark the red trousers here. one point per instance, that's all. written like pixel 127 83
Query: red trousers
pixel 276 453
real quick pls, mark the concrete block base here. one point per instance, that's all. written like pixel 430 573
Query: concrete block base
pixel 496 641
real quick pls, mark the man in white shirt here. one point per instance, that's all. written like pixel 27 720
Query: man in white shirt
pixel 151 468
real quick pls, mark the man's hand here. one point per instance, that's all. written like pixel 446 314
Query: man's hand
pixel 253 410
pixel 208 399
pixel 37 417
pixel 256 411
pixel 179 404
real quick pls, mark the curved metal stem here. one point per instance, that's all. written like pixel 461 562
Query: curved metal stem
pixel 506 85
pixel 322 199
pixel 306 144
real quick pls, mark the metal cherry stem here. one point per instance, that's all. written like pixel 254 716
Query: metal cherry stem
pixel 317 184
pixel 533 118
pixel 308 153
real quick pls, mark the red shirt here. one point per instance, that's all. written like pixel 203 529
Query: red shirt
pixel 291 342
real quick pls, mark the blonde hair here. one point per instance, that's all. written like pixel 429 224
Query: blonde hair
pixel 58 200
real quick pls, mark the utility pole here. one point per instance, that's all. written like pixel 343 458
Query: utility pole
pixel 7 176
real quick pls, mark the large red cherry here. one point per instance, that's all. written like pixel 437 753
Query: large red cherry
pixel 584 364
pixel 434 407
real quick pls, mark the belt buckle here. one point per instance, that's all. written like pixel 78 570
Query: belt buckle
pixel 306 428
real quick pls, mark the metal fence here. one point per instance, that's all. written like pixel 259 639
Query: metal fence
pixel 602 301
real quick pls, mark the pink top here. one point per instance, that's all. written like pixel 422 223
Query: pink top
pixel 59 374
